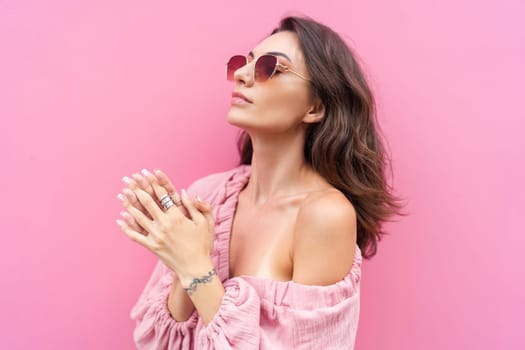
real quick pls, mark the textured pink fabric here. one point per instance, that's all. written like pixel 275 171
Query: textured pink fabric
pixel 255 313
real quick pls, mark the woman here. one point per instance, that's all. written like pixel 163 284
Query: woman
pixel 268 255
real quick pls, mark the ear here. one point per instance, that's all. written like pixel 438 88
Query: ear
pixel 315 112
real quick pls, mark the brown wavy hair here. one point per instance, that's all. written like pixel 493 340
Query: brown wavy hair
pixel 345 146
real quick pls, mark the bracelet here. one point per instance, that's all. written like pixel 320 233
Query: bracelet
pixel 204 279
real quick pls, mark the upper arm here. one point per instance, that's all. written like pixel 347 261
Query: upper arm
pixel 324 240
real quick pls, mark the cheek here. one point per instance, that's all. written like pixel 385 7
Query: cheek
pixel 284 108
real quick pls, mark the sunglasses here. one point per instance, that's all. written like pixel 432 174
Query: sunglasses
pixel 265 67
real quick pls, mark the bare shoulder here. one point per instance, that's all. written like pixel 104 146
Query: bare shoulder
pixel 324 238
pixel 321 207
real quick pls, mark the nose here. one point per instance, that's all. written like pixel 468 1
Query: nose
pixel 245 74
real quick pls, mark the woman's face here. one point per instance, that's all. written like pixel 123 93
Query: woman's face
pixel 279 104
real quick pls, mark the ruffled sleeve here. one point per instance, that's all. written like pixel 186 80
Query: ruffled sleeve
pixel 155 328
pixel 297 316
pixel 324 316
pixel 236 323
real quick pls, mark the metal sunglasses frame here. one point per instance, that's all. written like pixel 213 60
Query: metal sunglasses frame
pixel 283 68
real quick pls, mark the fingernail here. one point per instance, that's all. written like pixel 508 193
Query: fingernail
pixel 124 214
pixel 120 196
pixel 127 180
pixel 184 194
pixel 199 199
pixel 145 172
pixel 119 222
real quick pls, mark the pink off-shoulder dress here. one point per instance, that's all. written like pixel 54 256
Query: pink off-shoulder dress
pixel 255 313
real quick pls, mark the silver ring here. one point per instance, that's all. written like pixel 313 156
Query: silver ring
pixel 168 204
pixel 166 201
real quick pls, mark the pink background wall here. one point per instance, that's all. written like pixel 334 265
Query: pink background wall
pixel 94 90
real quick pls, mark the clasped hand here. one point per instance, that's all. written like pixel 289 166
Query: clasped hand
pixel 181 236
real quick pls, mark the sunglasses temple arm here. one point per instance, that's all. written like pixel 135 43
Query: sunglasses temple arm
pixel 298 74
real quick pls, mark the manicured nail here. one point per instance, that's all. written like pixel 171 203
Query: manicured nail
pixel 145 172
pixel 127 180
pixel 128 192
pixel 120 196
pixel 119 222
pixel 184 194
pixel 199 199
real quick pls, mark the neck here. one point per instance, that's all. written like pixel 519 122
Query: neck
pixel 278 168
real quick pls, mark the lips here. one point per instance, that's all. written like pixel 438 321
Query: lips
pixel 240 97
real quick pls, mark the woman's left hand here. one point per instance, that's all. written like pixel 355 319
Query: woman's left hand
pixel 182 244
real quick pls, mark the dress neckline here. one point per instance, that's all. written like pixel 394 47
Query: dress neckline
pixel 239 184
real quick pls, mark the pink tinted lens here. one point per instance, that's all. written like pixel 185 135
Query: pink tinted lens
pixel 233 64
pixel 265 67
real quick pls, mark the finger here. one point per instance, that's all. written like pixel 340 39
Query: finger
pixel 165 182
pixel 130 182
pixel 130 221
pixel 195 215
pixel 160 192
pixel 134 201
pixel 130 196
pixel 150 204
pixel 201 205
pixel 162 179
pixel 133 235
pixel 125 198
pixel 140 217
pixel 206 210
pixel 149 176
pixel 143 183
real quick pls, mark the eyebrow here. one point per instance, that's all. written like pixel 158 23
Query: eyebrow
pixel 276 53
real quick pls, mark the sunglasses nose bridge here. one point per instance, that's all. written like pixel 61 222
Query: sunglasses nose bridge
pixel 245 73
pixel 251 70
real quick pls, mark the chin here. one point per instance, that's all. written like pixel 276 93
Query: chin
pixel 251 122
pixel 239 118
